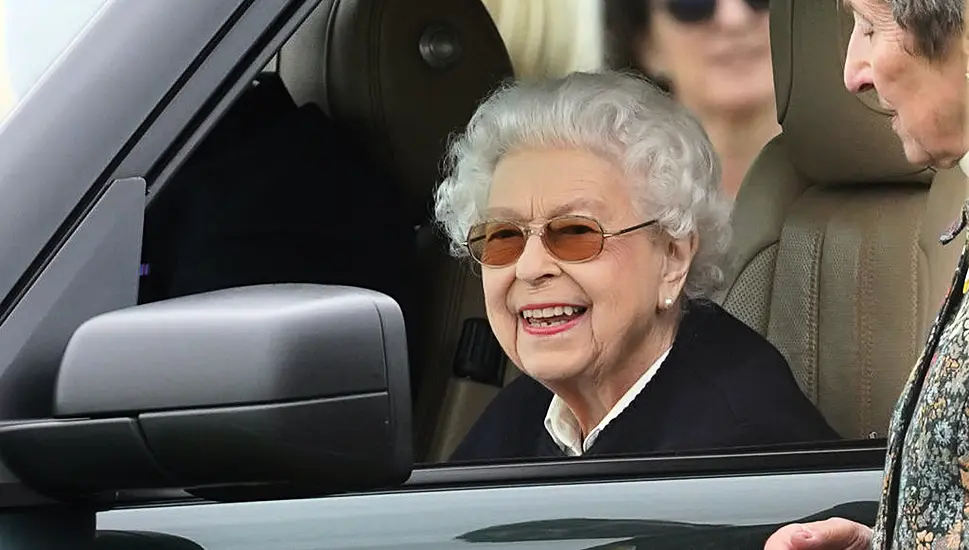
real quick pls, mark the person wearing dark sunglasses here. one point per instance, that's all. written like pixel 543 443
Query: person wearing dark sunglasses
pixel 592 208
pixel 714 56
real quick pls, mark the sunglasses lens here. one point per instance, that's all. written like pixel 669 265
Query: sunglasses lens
pixel 496 244
pixel 696 11
pixel 573 239
pixel 691 11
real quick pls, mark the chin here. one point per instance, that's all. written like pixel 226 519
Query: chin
pixel 945 163
pixel 551 367
pixel 917 156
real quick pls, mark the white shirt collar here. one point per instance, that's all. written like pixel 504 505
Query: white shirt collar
pixel 564 428
pixel 964 164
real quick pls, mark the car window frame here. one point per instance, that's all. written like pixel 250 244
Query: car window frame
pixel 46 202
pixel 188 82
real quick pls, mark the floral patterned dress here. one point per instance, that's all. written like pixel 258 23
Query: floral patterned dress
pixel 925 497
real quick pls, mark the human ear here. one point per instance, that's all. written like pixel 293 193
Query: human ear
pixel 677 259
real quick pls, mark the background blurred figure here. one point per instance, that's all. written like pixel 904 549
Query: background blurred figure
pixel 550 38
pixel 714 56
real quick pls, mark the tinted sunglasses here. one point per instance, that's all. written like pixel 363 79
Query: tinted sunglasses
pixel 698 11
pixel 570 239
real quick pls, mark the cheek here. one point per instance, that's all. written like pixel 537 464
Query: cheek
pixel 888 69
pixel 624 282
pixel 504 323
pixel 680 54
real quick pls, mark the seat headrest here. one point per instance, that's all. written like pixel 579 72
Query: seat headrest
pixel 834 136
pixel 408 75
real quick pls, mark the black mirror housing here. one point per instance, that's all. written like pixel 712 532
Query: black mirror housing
pixel 268 390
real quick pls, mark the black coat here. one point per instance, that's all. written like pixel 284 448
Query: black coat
pixel 722 385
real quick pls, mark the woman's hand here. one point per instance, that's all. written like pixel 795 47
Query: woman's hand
pixel 830 534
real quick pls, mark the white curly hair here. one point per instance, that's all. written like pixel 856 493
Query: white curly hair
pixel 664 152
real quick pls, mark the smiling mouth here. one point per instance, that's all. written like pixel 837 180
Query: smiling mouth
pixel 552 316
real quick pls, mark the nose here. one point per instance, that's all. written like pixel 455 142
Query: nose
pixel 734 14
pixel 535 264
pixel 857 74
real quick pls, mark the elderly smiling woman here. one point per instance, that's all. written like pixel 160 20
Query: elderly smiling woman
pixel 592 203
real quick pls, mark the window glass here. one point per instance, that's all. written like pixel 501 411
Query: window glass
pixel 272 192
pixel 33 33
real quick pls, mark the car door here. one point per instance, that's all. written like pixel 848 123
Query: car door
pixel 98 99
pixel 732 501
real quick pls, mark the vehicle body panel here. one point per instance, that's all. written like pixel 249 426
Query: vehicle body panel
pixel 457 517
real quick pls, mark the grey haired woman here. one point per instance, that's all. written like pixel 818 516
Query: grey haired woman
pixel 592 204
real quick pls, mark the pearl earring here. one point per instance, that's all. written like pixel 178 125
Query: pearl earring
pixel 668 303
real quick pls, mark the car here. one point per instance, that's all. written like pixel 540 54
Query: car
pixel 208 338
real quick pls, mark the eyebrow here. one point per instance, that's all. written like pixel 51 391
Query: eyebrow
pixel 587 205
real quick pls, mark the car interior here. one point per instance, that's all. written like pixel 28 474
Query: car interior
pixel 836 235
pixel 323 172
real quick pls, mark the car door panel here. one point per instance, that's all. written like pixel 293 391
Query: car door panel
pixel 719 512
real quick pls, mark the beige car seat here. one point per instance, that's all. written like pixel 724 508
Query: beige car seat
pixel 836 236
pixel 405 76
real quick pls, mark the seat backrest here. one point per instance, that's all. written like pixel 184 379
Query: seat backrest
pixel 837 257
pixel 404 76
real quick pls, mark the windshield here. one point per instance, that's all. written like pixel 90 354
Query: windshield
pixel 33 33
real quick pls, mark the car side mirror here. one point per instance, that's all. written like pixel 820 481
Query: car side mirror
pixel 265 390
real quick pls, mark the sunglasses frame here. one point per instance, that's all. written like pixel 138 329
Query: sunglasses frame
pixel 528 232
pixel 755 5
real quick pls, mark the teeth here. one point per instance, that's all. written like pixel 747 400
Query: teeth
pixel 556 311
pixel 548 323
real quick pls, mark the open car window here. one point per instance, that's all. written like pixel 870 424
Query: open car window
pixel 241 210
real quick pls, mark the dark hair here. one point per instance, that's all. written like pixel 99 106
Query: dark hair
pixel 627 23
pixel 934 24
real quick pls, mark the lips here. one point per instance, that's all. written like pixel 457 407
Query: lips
pixel 547 319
